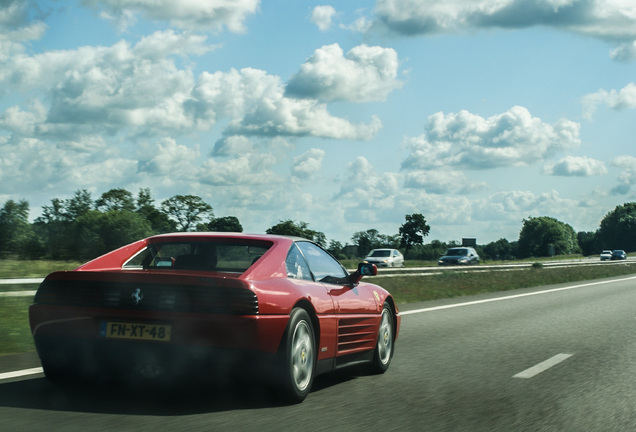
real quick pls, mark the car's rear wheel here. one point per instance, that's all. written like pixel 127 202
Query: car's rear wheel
pixel 385 344
pixel 298 360
pixel 65 377
pixel 56 375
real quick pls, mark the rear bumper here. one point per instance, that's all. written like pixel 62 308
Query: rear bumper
pixel 71 338
pixel 256 332
pixel 88 359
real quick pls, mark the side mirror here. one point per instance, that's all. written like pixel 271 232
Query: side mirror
pixel 364 269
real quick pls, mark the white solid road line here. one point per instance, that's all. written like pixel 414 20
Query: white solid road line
pixel 536 370
pixel 23 281
pixel 20 373
pixel 454 305
pixel 17 293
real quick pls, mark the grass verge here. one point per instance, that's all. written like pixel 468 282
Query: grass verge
pixel 15 335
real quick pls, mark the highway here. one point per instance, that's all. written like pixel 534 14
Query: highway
pixel 558 358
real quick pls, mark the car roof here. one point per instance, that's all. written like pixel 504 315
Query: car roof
pixel 179 236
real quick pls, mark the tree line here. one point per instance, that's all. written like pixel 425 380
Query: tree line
pixel 81 228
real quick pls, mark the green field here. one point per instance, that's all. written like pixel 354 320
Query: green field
pixel 10 269
pixel 14 326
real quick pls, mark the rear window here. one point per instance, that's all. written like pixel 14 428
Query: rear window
pixel 235 257
pixel 457 252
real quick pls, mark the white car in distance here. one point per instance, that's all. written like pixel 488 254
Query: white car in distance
pixel 385 258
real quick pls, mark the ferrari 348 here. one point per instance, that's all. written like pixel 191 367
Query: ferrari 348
pixel 175 303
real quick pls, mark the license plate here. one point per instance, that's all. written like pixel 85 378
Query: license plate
pixel 135 331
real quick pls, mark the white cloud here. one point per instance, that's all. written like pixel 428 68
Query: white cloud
pixel 251 169
pixel 308 164
pixel 360 25
pixel 574 166
pixel 443 182
pixel 56 165
pixel 624 52
pixel 514 205
pixel 140 89
pixel 471 141
pixel 620 100
pixel 167 158
pixel 233 145
pixel 366 73
pixel 165 43
pixel 627 176
pixel 20 122
pixel 211 15
pixel 93 89
pixel 255 104
pixel 15 25
pixel 367 195
pixel 142 64
pixel 363 177
pixel 607 19
pixel 322 16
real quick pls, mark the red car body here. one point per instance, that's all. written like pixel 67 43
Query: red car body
pixel 138 310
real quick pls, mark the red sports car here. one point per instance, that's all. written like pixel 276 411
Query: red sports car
pixel 168 304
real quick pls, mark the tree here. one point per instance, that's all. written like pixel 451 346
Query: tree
pixel 589 242
pixel 431 251
pixel 144 199
pixel 545 236
pixel 290 228
pixel 115 200
pixel 53 226
pixel 159 221
pixel 618 228
pixel 501 249
pixel 335 249
pixel 223 224
pixel 187 211
pixel 413 231
pixel 98 233
pixel 15 229
pixel 372 239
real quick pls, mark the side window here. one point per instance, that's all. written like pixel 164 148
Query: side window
pixel 296 265
pixel 324 267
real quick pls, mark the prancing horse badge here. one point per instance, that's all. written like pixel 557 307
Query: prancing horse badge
pixel 137 296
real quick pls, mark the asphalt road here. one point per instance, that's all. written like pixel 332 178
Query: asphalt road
pixel 557 360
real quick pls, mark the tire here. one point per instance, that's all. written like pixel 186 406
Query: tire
pixel 63 377
pixel 56 375
pixel 298 357
pixel 384 346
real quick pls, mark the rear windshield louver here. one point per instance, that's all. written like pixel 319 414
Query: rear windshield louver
pixel 174 298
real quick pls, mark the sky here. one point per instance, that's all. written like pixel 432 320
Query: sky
pixel 348 116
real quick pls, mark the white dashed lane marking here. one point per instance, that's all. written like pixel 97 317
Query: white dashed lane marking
pixel 543 366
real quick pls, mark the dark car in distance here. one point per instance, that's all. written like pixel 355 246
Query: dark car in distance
pixel 619 254
pixel 175 305
pixel 459 256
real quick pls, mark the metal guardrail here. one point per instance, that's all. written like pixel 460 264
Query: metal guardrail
pixel 429 270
